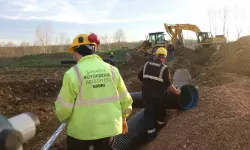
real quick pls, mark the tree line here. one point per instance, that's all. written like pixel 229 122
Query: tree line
pixel 44 37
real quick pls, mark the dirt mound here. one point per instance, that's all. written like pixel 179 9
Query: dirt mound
pixel 233 57
pixel 220 121
pixel 227 64
pixel 130 71
pixel 23 92
pixel 192 60
pixel 199 57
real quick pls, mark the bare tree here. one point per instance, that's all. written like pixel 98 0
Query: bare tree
pixel 227 31
pixel 67 41
pixel 23 43
pixel 56 40
pixel 215 22
pixel 10 44
pixel 44 35
pixel 35 43
pixel 225 12
pixel 239 21
pixel 119 37
pixel 107 41
pixel 210 17
pixel 62 38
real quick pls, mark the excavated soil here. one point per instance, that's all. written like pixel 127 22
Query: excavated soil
pixel 35 90
pixel 220 121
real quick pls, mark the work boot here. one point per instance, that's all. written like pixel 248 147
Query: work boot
pixel 159 125
pixel 151 136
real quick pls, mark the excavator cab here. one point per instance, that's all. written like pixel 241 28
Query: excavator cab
pixel 205 39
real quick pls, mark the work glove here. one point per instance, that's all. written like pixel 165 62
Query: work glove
pixel 124 126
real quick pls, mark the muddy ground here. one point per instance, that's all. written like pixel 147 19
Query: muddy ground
pixel 220 121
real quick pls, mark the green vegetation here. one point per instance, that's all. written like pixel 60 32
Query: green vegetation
pixel 48 60
pixel 37 60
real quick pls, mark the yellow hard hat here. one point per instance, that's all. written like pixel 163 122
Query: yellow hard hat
pixel 111 53
pixel 84 39
pixel 161 51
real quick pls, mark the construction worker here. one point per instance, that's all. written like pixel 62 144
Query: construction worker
pixel 155 76
pixel 112 59
pixel 93 99
pixel 171 51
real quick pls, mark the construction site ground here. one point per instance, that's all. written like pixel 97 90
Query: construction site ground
pixel 221 119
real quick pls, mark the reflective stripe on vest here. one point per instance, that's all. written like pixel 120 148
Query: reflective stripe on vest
pixel 151 131
pixel 153 77
pixel 78 103
pixel 64 102
pixel 79 77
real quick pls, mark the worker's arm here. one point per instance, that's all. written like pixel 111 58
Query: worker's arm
pixel 168 83
pixel 65 100
pixel 124 96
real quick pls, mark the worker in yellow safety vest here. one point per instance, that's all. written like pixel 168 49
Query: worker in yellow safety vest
pixel 93 99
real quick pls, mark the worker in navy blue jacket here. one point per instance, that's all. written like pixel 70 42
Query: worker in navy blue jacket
pixel 155 76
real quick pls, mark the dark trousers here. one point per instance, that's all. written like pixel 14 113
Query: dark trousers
pixel 112 62
pixel 154 111
pixel 100 144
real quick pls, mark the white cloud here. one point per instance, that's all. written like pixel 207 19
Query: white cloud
pixel 80 12
pixel 152 14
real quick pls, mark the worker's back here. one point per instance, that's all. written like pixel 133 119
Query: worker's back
pixel 97 113
pixel 155 78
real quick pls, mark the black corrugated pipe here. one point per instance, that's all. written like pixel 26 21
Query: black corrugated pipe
pixel 135 133
pixel 137 100
pixel 186 100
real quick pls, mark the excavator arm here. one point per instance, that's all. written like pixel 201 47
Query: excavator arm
pixel 189 27
pixel 175 32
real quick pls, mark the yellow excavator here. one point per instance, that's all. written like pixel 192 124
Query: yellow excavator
pixel 204 39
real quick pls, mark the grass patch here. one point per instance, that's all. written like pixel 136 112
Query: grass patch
pixel 37 60
pixel 42 60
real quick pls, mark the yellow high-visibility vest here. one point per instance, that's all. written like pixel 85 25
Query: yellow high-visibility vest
pixel 93 99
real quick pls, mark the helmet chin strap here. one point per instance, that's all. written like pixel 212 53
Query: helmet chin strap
pixel 91 47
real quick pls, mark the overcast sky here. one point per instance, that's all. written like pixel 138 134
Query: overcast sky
pixel 19 19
